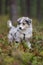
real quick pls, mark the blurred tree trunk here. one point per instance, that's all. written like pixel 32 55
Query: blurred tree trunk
pixel 20 8
pixel 13 10
pixel 3 7
pixel 24 7
pixel 27 8
pixel 39 9
pixel 0 6
pixel 33 8
pixel 42 9
pixel 6 6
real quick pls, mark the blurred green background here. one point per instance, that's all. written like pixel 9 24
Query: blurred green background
pixel 13 9
pixel 17 8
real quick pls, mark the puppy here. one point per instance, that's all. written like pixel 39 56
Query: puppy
pixel 24 31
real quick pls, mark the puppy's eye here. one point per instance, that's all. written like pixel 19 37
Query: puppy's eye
pixel 23 23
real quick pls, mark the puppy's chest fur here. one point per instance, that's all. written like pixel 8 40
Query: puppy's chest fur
pixel 27 33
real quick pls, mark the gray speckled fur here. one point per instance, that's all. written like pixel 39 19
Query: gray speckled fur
pixel 15 34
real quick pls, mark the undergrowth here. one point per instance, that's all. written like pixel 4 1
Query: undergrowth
pixel 9 55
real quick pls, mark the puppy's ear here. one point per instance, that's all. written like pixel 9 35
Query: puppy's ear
pixel 28 20
pixel 19 19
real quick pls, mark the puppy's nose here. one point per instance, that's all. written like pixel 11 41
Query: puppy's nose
pixel 16 41
pixel 19 27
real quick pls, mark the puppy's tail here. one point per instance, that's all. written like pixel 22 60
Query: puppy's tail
pixel 9 24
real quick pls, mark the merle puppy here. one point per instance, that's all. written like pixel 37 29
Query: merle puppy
pixel 23 31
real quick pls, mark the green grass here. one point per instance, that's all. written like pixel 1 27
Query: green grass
pixel 9 55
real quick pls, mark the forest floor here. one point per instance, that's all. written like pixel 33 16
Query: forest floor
pixel 9 55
